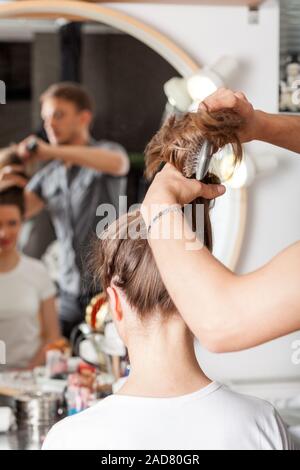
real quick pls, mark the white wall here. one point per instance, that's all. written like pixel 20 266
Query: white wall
pixel 206 33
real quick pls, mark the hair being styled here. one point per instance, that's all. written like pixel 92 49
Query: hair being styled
pixel 13 196
pixel 128 261
pixel 72 92
pixel 8 156
pixel 181 137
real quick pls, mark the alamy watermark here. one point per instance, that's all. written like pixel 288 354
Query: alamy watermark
pixel 127 223
pixel 296 352
pixel 2 92
pixel 2 353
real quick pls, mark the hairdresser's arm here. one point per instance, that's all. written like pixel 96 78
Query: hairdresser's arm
pixel 225 311
pixel 276 129
pixel 112 162
pixel 10 176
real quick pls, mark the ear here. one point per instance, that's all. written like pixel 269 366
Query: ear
pixel 86 117
pixel 115 303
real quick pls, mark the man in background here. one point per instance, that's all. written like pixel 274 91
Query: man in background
pixel 80 175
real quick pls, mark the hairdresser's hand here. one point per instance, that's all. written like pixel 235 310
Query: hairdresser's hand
pixel 40 153
pixel 171 187
pixel 224 98
pixel 10 176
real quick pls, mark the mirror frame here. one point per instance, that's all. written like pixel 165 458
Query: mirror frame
pixel 165 47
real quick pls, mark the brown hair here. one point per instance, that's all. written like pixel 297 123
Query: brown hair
pixel 8 156
pixel 181 137
pixel 128 262
pixel 72 92
pixel 13 196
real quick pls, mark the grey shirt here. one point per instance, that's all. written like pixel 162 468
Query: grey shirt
pixel 72 196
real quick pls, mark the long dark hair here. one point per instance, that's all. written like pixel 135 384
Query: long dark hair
pixel 13 196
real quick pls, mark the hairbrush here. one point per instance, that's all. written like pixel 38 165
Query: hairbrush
pixel 198 162
pixel 196 166
pixel 32 145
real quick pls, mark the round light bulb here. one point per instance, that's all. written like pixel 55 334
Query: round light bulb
pixel 203 84
pixel 177 94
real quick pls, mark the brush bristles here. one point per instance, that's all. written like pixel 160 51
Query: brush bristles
pixel 191 162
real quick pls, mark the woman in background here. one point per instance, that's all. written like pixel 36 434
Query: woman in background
pixel 28 318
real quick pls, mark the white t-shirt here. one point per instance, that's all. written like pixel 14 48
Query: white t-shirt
pixel 214 418
pixel 21 292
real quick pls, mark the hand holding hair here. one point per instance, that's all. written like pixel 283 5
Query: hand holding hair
pixel 276 129
pixel 171 187
pixel 180 143
pixel 12 171
pixel 225 99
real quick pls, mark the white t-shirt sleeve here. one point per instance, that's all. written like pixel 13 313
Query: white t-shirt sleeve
pixel 55 439
pixel 286 438
pixel 46 286
pixel 277 432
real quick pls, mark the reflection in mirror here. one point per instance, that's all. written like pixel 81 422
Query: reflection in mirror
pixel 124 76
pixel 124 79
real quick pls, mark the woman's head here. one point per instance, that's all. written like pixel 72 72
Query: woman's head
pixel 11 214
pixel 125 268
pixel 12 207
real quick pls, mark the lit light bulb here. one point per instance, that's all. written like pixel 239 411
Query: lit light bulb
pixel 243 175
pixel 234 175
pixel 177 94
pixel 207 80
pixel 203 84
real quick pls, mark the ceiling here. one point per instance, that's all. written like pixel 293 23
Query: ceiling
pixel 192 2
pixel 183 2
